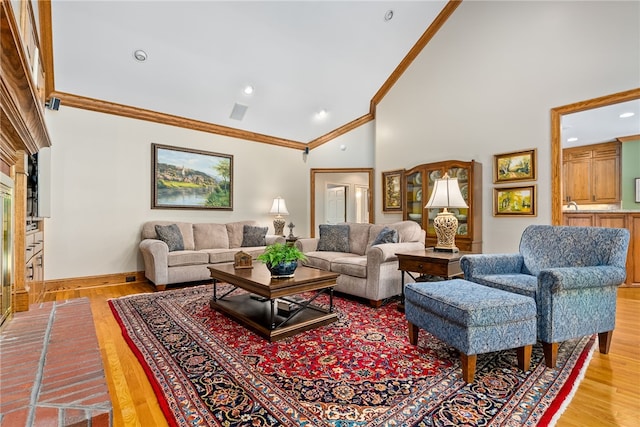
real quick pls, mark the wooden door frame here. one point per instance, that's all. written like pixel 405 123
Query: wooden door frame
pixel 314 171
pixel 556 143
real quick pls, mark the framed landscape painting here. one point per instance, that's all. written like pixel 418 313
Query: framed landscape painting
pixel 392 191
pixel 190 179
pixel 514 201
pixel 518 166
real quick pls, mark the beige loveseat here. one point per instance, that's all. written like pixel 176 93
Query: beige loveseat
pixel 366 270
pixel 202 245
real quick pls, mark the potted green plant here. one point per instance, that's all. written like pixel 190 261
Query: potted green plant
pixel 281 259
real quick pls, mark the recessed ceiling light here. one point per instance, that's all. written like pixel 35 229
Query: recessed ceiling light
pixel 572 139
pixel 628 114
pixel 248 90
pixel 388 16
pixel 140 55
pixel 321 114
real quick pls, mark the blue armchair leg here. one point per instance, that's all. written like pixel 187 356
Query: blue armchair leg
pixel 550 350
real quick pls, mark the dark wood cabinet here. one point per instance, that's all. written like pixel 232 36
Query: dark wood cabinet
pixel 418 184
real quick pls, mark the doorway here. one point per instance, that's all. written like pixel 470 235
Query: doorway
pixel 335 203
pixel 345 177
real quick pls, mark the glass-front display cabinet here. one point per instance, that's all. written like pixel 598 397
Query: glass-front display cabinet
pixel 418 185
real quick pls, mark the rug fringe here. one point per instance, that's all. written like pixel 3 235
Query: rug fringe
pixel 574 388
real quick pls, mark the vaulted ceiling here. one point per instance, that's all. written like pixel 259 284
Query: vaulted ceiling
pixel 317 68
pixel 314 66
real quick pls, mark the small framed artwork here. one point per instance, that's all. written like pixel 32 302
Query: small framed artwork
pixel 392 191
pixel 183 178
pixel 637 190
pixel 514 201
pixel 517 166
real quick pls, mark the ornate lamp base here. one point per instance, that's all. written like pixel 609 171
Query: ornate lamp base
pixel 278 226
pixel 446 225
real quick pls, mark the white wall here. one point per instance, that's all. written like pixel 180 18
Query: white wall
pixel 487 81
pixel 101 188
pixel 354 149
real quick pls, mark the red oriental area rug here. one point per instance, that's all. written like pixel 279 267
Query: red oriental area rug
pixel 358 371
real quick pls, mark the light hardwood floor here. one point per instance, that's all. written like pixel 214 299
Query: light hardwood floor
pixel 609 395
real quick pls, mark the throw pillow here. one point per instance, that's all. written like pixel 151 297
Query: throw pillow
pixel 253 236
pixel 171 235
pixel 334 238
pixel 387 235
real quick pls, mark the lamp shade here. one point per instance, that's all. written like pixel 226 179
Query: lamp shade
pixel 446 194
pixel 279 207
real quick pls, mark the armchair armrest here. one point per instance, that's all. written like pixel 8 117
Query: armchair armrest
pixel 155 254
pixel 385 252
pixel 308 244
pixel 558 279
pixel 480 264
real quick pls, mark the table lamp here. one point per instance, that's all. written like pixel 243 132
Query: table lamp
pixel 279 208
pixel 446 194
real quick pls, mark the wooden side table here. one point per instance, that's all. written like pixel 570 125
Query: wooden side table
pixel 429 262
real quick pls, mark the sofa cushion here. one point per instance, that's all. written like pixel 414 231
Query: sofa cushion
pixel 225 255
pixel 186 229
pixel 358 237
pixel 322 260
pixel 253 236
pixel 354 265
pixel 235 231
pixel 178 258
pixel 386 235
pixel 210 236
pixel 171 235
pixel 334 238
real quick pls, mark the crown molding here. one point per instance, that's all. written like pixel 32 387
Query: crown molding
pixel 77 101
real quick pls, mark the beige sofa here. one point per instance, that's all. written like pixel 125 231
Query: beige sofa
pixel 203 245
pixel 367 271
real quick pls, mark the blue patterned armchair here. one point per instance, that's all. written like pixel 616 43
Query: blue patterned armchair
pixel 571 272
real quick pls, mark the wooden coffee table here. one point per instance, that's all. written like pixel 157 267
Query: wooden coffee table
pixel 258 310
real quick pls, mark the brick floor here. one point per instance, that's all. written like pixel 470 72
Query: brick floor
pixel 51 372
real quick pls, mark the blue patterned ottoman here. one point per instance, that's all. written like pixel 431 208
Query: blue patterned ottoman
pixel 472 318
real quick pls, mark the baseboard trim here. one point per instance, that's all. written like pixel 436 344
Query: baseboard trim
pixel 93 281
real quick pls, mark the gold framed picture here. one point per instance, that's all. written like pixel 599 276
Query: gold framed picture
pixel 183 178
pixel 517 166
pixel 514 201
pixel 392 193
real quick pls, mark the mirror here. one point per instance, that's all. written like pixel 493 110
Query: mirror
pixel 556 141
pixel 353 186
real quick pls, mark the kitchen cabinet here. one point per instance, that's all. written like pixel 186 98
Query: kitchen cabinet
pixel 592 174
pixel 629 220
pixel 418 184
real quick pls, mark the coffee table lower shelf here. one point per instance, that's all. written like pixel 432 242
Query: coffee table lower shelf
pixel 256 315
